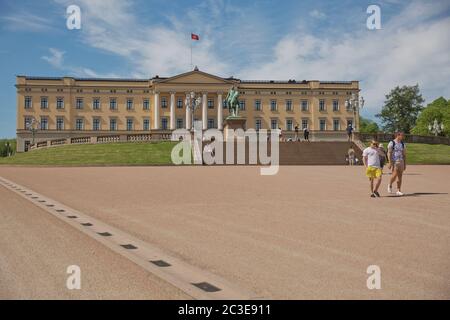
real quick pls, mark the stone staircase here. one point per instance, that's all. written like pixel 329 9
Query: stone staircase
pixel 311 153
pixel 316 153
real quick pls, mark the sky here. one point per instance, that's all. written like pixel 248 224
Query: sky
pixel 252 40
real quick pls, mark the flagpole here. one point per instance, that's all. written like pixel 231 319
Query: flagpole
pixel 191 53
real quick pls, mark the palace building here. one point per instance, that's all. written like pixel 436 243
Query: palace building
pixel 50 108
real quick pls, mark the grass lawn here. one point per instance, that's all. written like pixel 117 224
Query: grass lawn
pixel 420 153
pixel 97 154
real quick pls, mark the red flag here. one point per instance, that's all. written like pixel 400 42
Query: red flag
pixel 195 36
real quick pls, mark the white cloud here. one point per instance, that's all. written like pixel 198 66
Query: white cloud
pixel 411 48
pixel 24 21
pixel 317 14
pixel 56 57
pixel 56 60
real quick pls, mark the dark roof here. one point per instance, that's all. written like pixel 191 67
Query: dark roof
pixel 86 79
pixel 291 81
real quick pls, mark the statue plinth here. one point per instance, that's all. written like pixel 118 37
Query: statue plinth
pixel 233 123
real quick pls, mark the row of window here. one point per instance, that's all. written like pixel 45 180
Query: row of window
pixel 79 104
pixel 130 124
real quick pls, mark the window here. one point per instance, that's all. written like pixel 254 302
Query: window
pixel 96 124
pixel 130 124
pixel 179 123
pixel 28 103
pixel 44 103
pixel 289 126
pixel 27 122
pixel 273 105
pixel 164 123
pixel 79 124
pixel 304 105
pixel 96 103
pixel 163 102
pixel 59 123
pixel 257 105
pixel 146 125
pixel 288 105
pixel 59 103
pixel 210 104
pixel 180 103
pixel 129 104
pixel 44 123
pixel 336 125
pixel 113 104
pixel 242 105
pixel 322 125
pixel 113 124
pixel 335 105
pixel 258 124
pixel 79 103
pixel 304 123
pixel 274 124
pixel 321 105
pixel 210 123
pixel 146 104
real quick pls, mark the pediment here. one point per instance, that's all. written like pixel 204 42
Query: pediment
pixel 195 77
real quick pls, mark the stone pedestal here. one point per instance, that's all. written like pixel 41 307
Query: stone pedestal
pixel 233 123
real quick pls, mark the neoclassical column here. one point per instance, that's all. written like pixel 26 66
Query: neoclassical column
pixel 205 111
pixel 188 115
pixel 219 111
pixel 156 123
pixel 172 111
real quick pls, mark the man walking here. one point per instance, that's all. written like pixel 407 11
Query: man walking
pixel 397 161
pixel 371 159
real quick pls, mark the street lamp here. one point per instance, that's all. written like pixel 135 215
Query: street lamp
pixel 33 127
pixel 436 128
pixel 192 102
pixel 353 104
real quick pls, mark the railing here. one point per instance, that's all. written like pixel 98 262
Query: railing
pixel 80 140
pixel 409 138
pixel 108 139
pixel 58 142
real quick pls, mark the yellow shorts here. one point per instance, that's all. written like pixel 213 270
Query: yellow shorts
pixel 373 172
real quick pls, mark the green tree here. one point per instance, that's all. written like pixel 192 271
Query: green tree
pixel 368 126
pixel 401 109
pixel 439 109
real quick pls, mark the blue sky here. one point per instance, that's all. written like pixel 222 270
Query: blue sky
pixel 260 39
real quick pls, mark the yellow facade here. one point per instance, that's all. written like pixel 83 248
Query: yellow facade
pixel 68 107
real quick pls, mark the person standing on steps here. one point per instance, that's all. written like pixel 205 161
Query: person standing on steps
pixel 371 160
pixel 397 162
pixel 351 156
pixel 306 134
pixel 296 133
pixel 350 132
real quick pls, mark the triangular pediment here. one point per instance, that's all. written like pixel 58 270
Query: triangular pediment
pixel 194 77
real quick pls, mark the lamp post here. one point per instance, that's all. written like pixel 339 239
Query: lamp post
pixel 436 128
pixel 354 104
pixel 192 102
pixel 33 127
